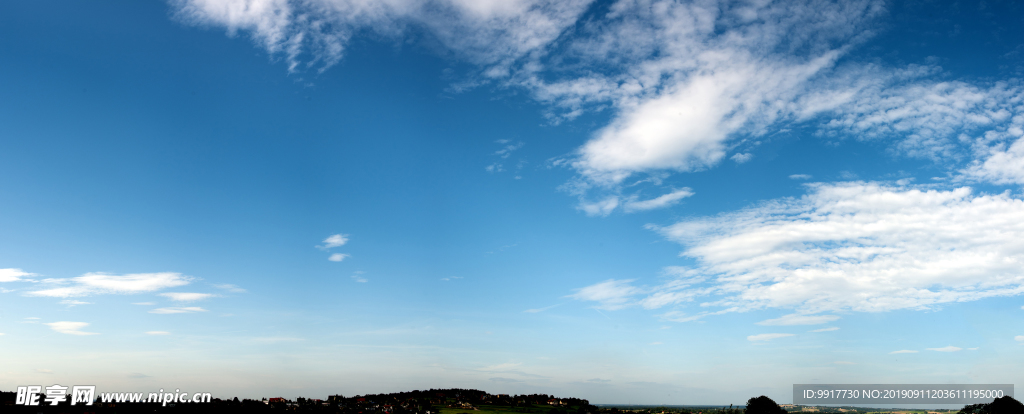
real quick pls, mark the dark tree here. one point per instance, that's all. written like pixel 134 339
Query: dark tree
pixel 1001 405
pixel 763 405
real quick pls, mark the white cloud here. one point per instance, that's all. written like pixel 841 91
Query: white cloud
pixel 334 241
pixel 829 329
pixel 70 302
pixel 741 157
pixel 662 201
pixel 860 247
pixel 1001 165
pixel 599 208
pixel 187 296
pixel 337 257
pixel 172 310
pixel 798 319
pixel 70 328
pixel 358 277
pixel 800 177
pixel 144 303
pixel 540 309
pixel 1019 338
pixel 610 294
pixel 315 33
pixel 946 349
pixel 903 351
pixel 13 275
pixel 157 333
pixel 767 336
pixel 102 283
pixel 230 288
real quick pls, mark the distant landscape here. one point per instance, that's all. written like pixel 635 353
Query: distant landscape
pixel 460 401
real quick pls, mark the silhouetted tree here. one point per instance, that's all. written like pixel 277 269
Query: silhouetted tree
pixel 763 405
pixel 1001 405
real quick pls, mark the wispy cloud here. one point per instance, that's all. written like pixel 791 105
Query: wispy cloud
pixel 599 208
pixel 230 288
pixel 168 311
pixel 333 241
pixel 187 296
pixel 157 333
pixel 800 177
pixel 829 329
pixel 337 257
pixel 741 157
pixel 358 277
pixel 798 319
pixel 70 303
pixel 662 201
pixel 70 328
pixel 103 283
pixel 767 337
pixel 1019 338
pixel 946 349
pixel 610 294
pixel 539 310
pixel 316 33
pixel 903 351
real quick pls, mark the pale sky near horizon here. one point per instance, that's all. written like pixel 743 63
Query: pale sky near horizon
pixel 630 201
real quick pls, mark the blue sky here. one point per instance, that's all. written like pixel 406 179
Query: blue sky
pixel 627 201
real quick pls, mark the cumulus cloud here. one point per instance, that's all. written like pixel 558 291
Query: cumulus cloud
pixel 169 311
pixel 767 336
pixel 70 328
pixel 862 247
pixel 13 275
pixel 187 296
pixel 103 283
pixel 337 257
